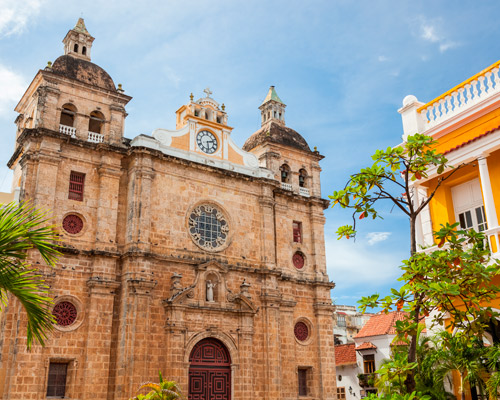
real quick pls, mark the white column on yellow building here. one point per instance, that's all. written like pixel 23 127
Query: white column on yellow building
pixel 418 223
pixel 489 204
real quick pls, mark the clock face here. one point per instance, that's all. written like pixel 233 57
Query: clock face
pixel 206 142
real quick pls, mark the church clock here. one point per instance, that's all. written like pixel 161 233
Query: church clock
pixel 206 142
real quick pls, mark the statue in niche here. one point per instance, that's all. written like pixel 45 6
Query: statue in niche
pixel 210 291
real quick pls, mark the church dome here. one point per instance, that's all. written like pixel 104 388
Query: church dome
pixel 276 133
pixel 83 71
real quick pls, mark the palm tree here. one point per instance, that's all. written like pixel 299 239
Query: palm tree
pixel 165 390
pixel 466 356
pixel 22 228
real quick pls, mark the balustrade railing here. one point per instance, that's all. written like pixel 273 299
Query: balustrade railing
pixel 67 130
pixel 475 89
pixel 304 191
pixel 286 186
pixel 95 137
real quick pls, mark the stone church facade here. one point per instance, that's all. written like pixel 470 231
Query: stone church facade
pixel 181 252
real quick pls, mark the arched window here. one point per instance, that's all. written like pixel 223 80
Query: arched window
pixel 302 178
pixel 75 48
pixel 285 173
pixel 96 122
pixel 84 50
pixel 68 113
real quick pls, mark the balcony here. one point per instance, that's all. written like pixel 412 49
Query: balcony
pixel 68 130
pixel 466 95
pixel 367 380
pixel 304 191
pixel 94 137
pixel 286 186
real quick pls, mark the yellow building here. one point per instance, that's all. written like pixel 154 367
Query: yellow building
pixel 465 121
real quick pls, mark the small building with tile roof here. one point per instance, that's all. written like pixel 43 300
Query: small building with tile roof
pixel 357 362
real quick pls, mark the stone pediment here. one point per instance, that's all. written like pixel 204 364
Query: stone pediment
pixel 210 290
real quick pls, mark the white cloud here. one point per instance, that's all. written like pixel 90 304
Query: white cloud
pixel 375 237
pixel 357 265
pixel 447 45
pixel 15 15
pixel 382 58
pixel 431 31
pixel 12 87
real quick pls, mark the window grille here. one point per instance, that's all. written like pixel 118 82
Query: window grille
pixel 302 374
pixel 297 232
pixel 76 183
pixel 369 363
pixel 56 384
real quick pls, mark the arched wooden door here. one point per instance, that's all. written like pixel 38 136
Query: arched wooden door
pixel 209 371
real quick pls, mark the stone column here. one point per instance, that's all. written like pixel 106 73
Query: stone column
pixel 326 350
pixel 288 355
pixel 138 228
pixel 318 256
pixel 98 344
pixel 268 239
pixel 133 342
pixel 107 209
pixel 270 300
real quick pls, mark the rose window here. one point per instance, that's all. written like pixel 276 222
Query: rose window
pixel 65 313
pixel 301 331
pixel 298 260
pixel 72 224
pixel 208 227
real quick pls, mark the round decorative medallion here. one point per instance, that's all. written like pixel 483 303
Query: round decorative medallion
pixel 298 260
pixel 72 224
pixel 207 142
pixel 301 331
pixel 65 313
pixel 208 227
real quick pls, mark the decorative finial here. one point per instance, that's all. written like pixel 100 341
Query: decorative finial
pixel 223 106
pixel 191 97
pixel 315 149
pixel 208 92
pixel 120 88
pixel 49 64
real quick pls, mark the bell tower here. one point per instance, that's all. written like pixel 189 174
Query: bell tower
pixel 78 41
pixel 272 108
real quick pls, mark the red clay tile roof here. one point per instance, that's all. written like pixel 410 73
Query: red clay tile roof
pixel 345 354
pixel 366 346
pixel 381 324
pixel 472 140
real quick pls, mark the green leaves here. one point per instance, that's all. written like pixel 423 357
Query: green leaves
pixel 389 178
pixel 24 229
pixel 164 390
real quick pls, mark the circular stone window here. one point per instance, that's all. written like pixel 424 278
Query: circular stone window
pixel 65 313
pixel 301 331
pixel 298 260
pixel 72 224
pixel 208 227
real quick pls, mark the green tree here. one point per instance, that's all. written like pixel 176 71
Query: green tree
pixel 164 390
pixel 452 282
pixel 24 228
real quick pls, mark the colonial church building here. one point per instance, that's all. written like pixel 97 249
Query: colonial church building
pixel 182 253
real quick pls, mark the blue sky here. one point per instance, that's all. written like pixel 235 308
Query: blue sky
pixel 342 67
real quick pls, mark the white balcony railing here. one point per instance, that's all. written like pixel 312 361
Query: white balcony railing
pixel 463 96
pixel 67 130
pixel 286 186
pixel 304 191
pixel 95 137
